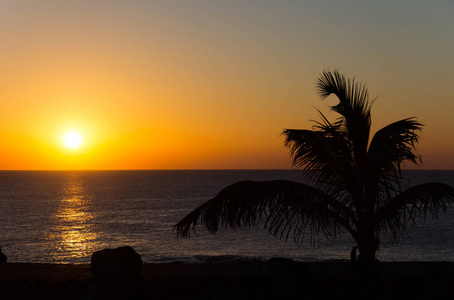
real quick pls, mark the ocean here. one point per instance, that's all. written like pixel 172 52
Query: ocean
pixel 64 216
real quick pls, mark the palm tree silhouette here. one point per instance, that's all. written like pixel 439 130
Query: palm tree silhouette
pixel 356 183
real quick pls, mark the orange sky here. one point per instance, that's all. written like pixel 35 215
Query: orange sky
pixel 209 85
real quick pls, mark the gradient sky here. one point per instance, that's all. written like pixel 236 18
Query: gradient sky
pixel 211 84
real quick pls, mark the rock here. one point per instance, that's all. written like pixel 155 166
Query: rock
pixel 117 271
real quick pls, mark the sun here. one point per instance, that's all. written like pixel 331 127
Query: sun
pixel 72 139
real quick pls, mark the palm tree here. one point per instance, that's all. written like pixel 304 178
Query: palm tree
pixel 356 184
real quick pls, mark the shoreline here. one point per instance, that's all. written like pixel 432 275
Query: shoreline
pixel 276 279
pixel 62 272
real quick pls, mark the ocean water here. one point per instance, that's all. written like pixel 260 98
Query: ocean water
pixel 64 216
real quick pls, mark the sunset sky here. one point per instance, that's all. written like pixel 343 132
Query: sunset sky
pixel 211 84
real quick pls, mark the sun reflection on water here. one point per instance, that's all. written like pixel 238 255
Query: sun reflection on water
pixel 73 232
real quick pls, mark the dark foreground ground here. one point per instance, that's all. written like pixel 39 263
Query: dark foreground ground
pixel 276 279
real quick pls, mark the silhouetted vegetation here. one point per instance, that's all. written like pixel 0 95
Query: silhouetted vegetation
pixel 356 181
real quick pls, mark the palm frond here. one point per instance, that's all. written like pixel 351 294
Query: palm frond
pixel 415 202
pixel 354 106
pixel 395 144
pixel 286 209
pixel 390 147
pixel 323 153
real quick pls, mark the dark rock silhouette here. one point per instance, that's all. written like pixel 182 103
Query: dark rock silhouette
pixel 117 273
pixel 3 257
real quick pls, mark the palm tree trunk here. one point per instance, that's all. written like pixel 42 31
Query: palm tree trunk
pixel 367 253
pixel 367 246
pixel 367 266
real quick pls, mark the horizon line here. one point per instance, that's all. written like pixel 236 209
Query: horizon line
pixel 206 169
